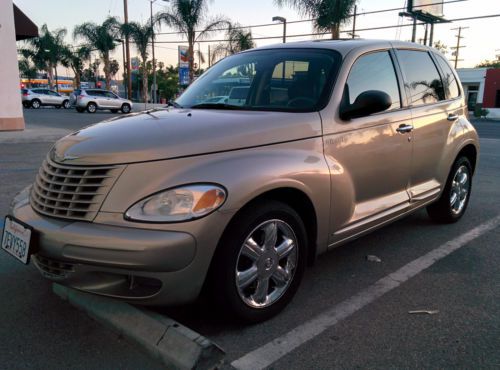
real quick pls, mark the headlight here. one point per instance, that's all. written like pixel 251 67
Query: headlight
pixel 184 203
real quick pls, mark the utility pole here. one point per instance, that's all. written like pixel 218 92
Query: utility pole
pixel 354 22
pixel 127 50
pixel 282 20
pixel 458 47
pixel 209 61
pixel 153 92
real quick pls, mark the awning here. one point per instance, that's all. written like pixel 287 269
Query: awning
pixel 25 28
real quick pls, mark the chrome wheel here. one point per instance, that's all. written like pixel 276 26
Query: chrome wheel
pixel 459 189
pixel 266 263
pixel 35 104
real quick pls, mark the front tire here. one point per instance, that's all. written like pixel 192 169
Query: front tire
pixel 91 107
pixel 259 262
pixel 65 104
pixel 453 202
pixel 125 108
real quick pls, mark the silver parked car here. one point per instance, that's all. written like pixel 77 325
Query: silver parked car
pixel 38 97
pixel 92 100
pixel 322 143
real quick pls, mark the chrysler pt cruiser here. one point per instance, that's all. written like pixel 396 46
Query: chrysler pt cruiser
pixel 272 157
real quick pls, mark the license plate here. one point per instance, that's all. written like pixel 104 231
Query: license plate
pixel 16 239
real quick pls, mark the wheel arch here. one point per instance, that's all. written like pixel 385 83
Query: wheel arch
pixel 300 202
pixel 469 151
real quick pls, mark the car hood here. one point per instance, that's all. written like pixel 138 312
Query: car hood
pixel 173 133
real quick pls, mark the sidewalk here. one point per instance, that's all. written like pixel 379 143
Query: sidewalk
pixel 33 134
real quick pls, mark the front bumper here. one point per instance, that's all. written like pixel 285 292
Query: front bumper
pixel 139 265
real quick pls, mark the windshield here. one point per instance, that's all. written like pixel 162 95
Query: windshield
pixel 292 80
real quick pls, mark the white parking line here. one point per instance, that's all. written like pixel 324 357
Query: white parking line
pixel 271 352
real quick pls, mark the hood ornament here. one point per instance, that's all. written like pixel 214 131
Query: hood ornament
pixel 56 157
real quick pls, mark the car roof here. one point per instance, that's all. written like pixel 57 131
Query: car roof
pixel 344 46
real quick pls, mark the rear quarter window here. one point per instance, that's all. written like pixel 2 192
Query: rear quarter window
pixel 422 79
pixel 450 82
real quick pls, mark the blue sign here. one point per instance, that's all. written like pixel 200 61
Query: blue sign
pixel 183 76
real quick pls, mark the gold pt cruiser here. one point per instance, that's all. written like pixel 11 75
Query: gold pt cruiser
pixel 272 157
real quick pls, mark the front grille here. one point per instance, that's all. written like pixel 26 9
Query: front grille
pixel 72 192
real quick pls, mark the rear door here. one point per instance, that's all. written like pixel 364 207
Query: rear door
pixel 433 114
pixel 371 155
pixel 112 100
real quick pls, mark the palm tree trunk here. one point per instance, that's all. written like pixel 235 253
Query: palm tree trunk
pixel 57 83
pixel 77 79
pixel 107 73
pixel 144 81
pixel 335 31
pixel 50 76
pixel 191 39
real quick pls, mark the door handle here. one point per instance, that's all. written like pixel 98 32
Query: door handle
pixel 452 117
pixel 404 128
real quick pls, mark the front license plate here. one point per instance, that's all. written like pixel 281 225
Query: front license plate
pixel 16 239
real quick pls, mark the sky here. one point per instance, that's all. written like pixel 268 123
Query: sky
pixel 480 38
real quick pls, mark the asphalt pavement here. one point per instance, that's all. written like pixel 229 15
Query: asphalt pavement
pixel 462 290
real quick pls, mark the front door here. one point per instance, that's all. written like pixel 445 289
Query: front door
pixel 369 156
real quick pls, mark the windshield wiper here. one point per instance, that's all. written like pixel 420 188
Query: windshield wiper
pixel 174 104
pixel 216 106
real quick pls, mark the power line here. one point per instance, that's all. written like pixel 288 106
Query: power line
pixel 312 19
pixel 324 33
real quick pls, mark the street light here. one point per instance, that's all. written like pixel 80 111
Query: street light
pixel 124 64
pixel 153 97
pixel 282 20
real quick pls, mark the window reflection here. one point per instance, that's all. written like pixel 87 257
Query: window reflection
pixel 423 82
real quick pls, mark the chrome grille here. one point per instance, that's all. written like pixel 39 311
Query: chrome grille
pixel 72 192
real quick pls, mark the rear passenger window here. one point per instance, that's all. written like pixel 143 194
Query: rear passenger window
pixel 423 82
pixel 449 80
pixel 373 71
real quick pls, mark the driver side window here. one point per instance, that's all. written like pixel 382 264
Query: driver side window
pixel 374 71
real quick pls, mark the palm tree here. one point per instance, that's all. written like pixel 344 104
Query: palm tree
pixel 46 51
pixel 27 70
pixel 76 60
pixel 101 37
pixel 239 39
pixel 141 35
pixel 186 16
pixel 328 15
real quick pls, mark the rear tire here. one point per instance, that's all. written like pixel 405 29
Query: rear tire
pixel 36 104
pixel 91 107
pixel 125 108
pixel 65 104
pixel 274 263
pixel 453 202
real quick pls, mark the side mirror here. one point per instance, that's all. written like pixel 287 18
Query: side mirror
pixel 368 102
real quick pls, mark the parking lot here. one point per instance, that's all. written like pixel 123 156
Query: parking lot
pixel 346 314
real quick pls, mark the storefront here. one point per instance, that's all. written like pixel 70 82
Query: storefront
pixel 482 89
pixel 15 26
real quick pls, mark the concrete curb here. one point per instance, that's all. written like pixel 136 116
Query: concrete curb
pixel 176 346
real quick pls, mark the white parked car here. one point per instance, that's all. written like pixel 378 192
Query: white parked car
pixel 36 98
pixel 93 99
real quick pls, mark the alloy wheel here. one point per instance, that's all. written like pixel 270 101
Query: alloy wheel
pixel 459 189
pixel 266 263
